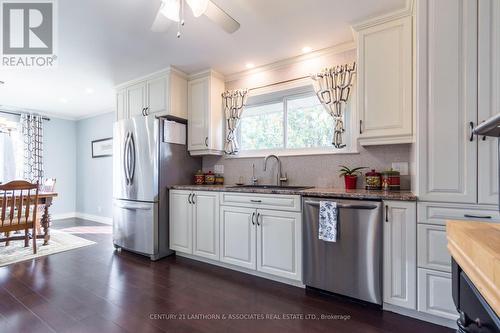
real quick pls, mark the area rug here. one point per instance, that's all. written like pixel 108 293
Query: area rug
pixel 59 242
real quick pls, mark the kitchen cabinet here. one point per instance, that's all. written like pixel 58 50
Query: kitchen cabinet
pixel 181 221
pixel 279 240
pixel 238 236
pixel 384 91
pixel 452 164
pixel 434 294
pixel 400 257
pixel 194 223
pixel 205 114
pixel 162 93
pixel 121 110
pixel 488 101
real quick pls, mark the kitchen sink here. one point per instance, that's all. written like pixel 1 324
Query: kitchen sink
pixel 273 187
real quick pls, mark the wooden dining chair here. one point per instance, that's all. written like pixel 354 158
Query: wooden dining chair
pixel 18 210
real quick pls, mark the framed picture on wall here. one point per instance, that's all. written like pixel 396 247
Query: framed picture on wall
pixel 102 148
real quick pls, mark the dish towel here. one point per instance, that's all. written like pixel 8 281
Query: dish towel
pixel 328 221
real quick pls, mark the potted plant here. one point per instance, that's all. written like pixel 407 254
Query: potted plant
pixel 350 176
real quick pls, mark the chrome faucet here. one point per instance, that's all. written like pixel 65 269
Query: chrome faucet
pixel 279 176
pixel 254 179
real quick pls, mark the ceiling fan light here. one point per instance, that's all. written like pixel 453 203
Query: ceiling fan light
pixel 170 9
pixel 199 7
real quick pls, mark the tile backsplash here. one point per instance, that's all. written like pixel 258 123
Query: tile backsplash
pixel 313 170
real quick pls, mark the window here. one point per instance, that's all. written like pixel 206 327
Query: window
pixel 11 151
pixel 292 121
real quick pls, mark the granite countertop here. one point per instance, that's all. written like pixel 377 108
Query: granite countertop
pixel 309 192
pixel 475 246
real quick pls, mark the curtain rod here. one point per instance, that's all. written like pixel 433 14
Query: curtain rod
pixel 19 114
pixel 280 82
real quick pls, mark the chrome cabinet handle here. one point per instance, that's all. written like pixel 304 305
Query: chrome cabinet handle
pixel 192 199
pixel 189 198
pixel 361 127
pixel 253 218
pixel 386 213
pixel 206 141
pixel 472 216
pixel 471 124
pixel 146 111
pixel 258 216
pixel 256 201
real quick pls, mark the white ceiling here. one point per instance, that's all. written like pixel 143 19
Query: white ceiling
pixel 106 42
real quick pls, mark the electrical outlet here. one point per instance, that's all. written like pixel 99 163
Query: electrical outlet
pixel 402 167
pixel 219 168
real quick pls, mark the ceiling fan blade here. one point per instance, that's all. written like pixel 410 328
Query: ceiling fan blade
pixel 221 18
pixel 161 23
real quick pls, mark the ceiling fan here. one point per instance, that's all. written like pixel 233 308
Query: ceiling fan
pixel 173 11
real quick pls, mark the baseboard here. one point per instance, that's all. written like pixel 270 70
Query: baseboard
pixel 421 315
pixel 95 218
pixel 62 216
pixel 241 269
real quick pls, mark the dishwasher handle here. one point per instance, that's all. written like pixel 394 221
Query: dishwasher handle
pixel 369 207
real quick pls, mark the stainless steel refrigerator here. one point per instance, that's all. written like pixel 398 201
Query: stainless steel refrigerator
pixel 145 163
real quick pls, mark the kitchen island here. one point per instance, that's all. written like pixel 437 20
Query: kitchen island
pixel 475 251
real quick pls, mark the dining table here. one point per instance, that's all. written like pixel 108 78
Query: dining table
pixel 45 200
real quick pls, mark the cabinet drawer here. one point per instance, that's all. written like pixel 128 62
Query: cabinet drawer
pixel 438 213
pixel 432 247
pixel 266 201
pixel 434 294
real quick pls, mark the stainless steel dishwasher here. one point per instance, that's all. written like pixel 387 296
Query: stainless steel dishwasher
pixel 351 266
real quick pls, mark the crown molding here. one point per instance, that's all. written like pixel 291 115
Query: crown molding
pixel 205 73
pixel 394 15
pixel 339 48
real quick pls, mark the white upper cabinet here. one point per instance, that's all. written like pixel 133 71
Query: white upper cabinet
pixel 385 81
pixel 447 100
pixel 205 114
pixel 163 93
pixel 489 97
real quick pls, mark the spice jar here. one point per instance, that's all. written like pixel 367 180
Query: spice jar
pixel 391 180
pixel 199 178
pixel 373 180
pixel 209 178
pixel 219 179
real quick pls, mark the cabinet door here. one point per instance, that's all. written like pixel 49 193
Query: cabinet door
pixel 489 99
pixel 136 99
pixel 447 100
pixel 121 109
pixel 385 82
pixel 434 294
pixel 206 224
pixel 279 243
pixel 432 247
pixel 400 257
pixel 237 236
pixel 198 114
pixel 180 224
pixel 157 95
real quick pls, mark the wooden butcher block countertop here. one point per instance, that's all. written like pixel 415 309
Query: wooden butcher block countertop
pixel 475 246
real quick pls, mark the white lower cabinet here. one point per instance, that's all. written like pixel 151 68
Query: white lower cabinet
pixel 194 223
pixel 238 236
pixel 432 247
pixel 206 224
pixel 181 221
pixel 434 294
pixel 279 243
pixel 400 254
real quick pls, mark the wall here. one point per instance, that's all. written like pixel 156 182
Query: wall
pixel 59 142
pixel 94 176
pixel 314 170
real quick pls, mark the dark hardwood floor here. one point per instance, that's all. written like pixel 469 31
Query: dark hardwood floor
pixel 95 289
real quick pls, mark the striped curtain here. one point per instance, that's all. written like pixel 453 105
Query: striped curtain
pixel 234 102
pixel 32 131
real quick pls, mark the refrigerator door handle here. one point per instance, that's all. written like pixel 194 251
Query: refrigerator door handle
pixel 132 159
pixel 125 159
pixel 133 206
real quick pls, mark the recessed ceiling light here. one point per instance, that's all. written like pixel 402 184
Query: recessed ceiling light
pixel 306 49
pixel 63 100
pixel 89 91
pixel 250 65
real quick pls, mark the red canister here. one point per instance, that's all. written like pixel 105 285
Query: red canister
pixel 373 180
pixel 199 178
pixel 391 180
